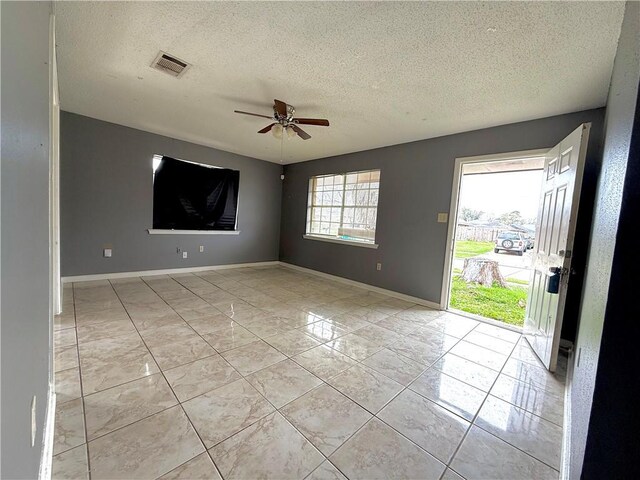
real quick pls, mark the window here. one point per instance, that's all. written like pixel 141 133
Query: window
pixel 344 206
pixel 192 196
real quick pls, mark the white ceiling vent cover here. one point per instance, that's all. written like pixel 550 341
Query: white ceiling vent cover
pixel 170 64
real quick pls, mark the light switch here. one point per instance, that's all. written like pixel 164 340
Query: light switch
pixel 107 253
pixel 443 217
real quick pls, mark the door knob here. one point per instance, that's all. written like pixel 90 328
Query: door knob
pixel 553 282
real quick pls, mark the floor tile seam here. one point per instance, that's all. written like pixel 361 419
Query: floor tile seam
pixel 331 386
pixel 259 339
pixel 102 435
pixel 198 296
pixel 513 345
pixel 243 377
pixel 431 365
pixel 473 420
pixel 188 324
pixel 69 448
pixel 122 384
pixel 514 446
pixel 446 464
pixel 170 387
pixel 526 410
pixel 542 387
pixel 375 417
pixel 407 388
pixel 84 410
pixel 476 363
pixel 486 393
pixel 299 353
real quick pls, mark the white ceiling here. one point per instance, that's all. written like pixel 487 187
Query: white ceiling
pixel 382 73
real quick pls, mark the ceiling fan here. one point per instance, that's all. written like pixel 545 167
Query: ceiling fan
pixel 284 121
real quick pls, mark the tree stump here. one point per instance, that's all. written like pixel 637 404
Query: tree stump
pixel 483 271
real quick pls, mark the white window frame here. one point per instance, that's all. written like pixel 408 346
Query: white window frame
pixel 309 235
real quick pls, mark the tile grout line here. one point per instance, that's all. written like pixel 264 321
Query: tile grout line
pixel 287 357
pixel 473 422
pixel 326 383
pixel 169 384
pixel 84 410
pixel 277 410
pixel 243 377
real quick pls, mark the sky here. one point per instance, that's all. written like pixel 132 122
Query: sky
pixel 498 193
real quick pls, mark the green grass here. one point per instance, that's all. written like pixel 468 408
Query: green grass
pixel 491 302
pixel 468 249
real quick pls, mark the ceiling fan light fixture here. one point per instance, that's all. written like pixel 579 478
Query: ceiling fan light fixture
pixel 283 119
pixel 277 131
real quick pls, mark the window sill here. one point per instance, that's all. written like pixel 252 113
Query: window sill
pixel 337 240
pixel 162 231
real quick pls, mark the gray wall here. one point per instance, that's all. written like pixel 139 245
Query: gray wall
pixel 415 185
pixel 25 232
pixel 107 199
pixel 621 108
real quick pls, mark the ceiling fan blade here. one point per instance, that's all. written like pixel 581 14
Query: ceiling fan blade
pixel 301 133
pixel 280 107
pixel 253 114
pixel 267 128
pixel 323 122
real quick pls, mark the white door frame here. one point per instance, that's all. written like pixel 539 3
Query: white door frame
pixel 54 189
pixel 453 209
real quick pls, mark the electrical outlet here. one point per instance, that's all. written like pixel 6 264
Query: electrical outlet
pixel 378 266
pixel 107 252
pixel 201 248
pixel 184 254
pixel 34 425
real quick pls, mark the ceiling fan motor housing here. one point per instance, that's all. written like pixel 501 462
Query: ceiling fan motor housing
pixel 283 116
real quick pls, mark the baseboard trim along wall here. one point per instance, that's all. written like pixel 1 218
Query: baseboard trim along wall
pixel 565 459
pixel 391 293
pixel 46 462
pixel 170 271
pixel 167 271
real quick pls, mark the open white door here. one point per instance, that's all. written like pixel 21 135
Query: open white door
pixel 555 231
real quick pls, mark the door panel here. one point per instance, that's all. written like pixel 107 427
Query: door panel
pixel 557 214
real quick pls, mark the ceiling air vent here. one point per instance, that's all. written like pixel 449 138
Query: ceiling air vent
pixel 170 64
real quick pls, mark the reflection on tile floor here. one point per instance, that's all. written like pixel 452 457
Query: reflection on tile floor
pixel 271 373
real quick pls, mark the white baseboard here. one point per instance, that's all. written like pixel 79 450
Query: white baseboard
pixel 366 286
pixel 565 459
pixel 46 462
pixel 172 271
pixel 167 271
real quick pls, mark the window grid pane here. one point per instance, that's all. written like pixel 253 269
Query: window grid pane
pixel 344 205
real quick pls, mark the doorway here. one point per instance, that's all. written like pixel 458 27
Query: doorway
pixel 491 236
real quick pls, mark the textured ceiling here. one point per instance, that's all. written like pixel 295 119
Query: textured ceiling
pixel 382 73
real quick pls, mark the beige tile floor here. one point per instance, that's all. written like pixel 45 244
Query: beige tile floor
pixel 270 373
